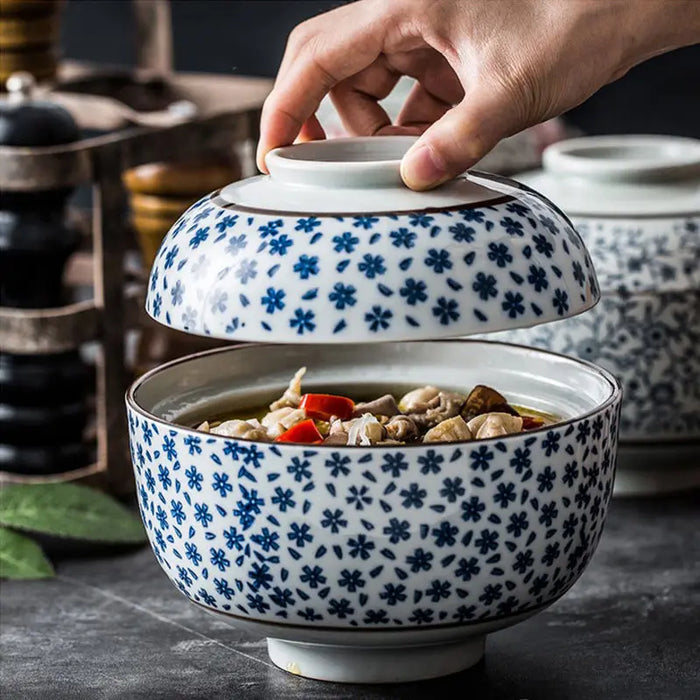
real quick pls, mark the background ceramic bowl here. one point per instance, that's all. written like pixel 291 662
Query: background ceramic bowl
pixel 635 201
pixel 397 560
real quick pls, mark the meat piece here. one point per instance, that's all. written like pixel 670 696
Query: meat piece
pixel 484 399
pixel 245 430
pixel 417 401
pixel 383 406
pixel 401 428
pixel 443 406
pixel 282 419
pixel 339 438
pixel 366 430
pixel 449 430
pixel 494 424
pixel 292 394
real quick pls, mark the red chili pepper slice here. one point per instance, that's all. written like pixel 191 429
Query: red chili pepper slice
pixel 530 423
pixel 323 406
pixel 305 432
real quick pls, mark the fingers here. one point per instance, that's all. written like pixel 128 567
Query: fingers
pixel 421 108
pixel 320 53
pixel 311 130
pixel 460 138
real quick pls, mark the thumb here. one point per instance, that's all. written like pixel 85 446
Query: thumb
pixel 464 135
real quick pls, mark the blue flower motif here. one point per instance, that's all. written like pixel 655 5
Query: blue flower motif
pixel 202 514
pixel 378 318
pixel 218 301
pixel 222 588
pixel 164 477
pixel 420 560
pixel 338 464
pixel 147 433
pixel 283 499
pixel 438 590
pixel 162 518
pixel 372 266
pixel 226 222
pixel 452 489
pixel 513 304
pixel 397 530
pixel 176 512
pixel 467 568
pixel 200 236
pixel 561 301
pixel 445 534
pixel 202 214
pixel 549 513
pixel 446 310
pixel 221 484
pixel 218 559
pixel 421 616
pixel 234 539
pixel 393 593
pixel 257 603
pixel 299 534
pixel 538 278
pixel 413 291
pixel 267 540
pixel 505 494
pixel 472 509
pixel 282 597
pixel 192 553
pixel 247 271
pixel 439 260
pixel 518 523
pixel 194 478
pixel 485 286
pixel 345 243
pixel 279 245
pixel 273 300
pixel 333 520
pixel 579 275
pixel 170 257
pixel 365 222
pixel 492 592
pixel 270 228
pixel 193 444
pixel 176 293
pixel 518 208
pixel 206 598
pixel 413 496
pixel 236 244
pixel 358 496
pixel 352 580
pixel 462 233
pixel 476 215
pixel 303 321
pixel 157 304
pixel 546 480
pixel 499 253
pixel 395 464
pixel 568 527
pixel 300 469
pixel 523 561
pixel 403 238
pixel 307 225
pixel 481 458
pixel 260 576
pixel 430 462
pixel 487 541
pixel 360 547
pixel 309 614
pixel 154 279
pixel 551 443
pixel 343 295
pixel 551 554
pixel 184 575
pixel 571 473
pixel 306 266
pixel 512 227
pixel 542 245
pixel 419 219
pixel 340 608
pixel 549 224
pixel 189 318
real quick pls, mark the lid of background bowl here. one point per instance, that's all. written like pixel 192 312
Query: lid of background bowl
pixel 621 176
pixel 331 247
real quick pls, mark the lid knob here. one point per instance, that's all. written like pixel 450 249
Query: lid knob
pixel 20 86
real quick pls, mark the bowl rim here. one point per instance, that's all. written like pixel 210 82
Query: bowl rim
pixel 613 382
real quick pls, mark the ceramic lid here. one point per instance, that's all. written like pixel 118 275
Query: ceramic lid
pixel 331 247
pixel 616 176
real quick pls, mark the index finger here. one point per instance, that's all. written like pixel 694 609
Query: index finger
pixel 320 53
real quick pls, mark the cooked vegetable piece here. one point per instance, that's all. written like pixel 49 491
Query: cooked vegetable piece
pixel 383 406
pixel 489 425
pixel 449 430
pixel 292 394
pixel 530 423
pixel 305 432
pixel 246 430
pixel 282 419
pixel 365 430
pixel 401 428
pixel 417 401
pixel 325 406
pixel 484 399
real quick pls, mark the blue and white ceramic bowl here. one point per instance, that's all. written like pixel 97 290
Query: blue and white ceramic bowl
pixel 636 203
pixel 383 563
pixel 332 248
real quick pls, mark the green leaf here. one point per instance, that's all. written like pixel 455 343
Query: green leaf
pixel 21 558
pixel 68 510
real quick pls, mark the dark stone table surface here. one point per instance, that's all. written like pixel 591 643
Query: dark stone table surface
pixel 112 626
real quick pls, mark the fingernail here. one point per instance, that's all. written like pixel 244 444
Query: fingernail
pixel 423 168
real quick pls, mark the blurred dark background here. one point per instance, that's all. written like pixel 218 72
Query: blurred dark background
pixel 224 36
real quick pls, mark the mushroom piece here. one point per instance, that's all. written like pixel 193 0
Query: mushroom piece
pixel 449 430
pixel 366 430
pixel 383 406
pixel 401 428
pixel 417 401
pixel 443 406
pixel 282 419
pixel 494 424
pixel 245 430
pixel 292 394
pixel 484 399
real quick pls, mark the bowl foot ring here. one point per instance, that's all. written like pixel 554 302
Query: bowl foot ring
pixel 375 664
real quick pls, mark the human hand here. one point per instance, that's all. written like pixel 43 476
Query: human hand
pixel 486 69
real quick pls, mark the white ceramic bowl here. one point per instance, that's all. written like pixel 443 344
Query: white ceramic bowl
pixel 385 563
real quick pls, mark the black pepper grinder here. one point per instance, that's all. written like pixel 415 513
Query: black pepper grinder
pixel 43 407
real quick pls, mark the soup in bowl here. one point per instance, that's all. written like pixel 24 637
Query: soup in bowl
pixel 374 562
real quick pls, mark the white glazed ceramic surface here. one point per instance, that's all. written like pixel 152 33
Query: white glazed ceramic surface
pixel 331 248
pixel 641 225
pixel 441 543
